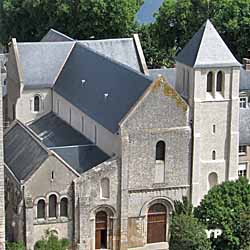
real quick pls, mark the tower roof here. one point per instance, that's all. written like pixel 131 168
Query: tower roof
pixel 206 49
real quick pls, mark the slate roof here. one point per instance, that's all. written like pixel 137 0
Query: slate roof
pixel 22 152
pixel 121 50
pixel 244 126
pixel 41 62
pixel 169 74
pixel 79 152
pixel 109 89
pixel 206 49
pixel 56 36
pixel 244 79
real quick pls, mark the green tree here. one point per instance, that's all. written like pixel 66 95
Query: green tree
pixel 222 208
pixel 29 20
pixel 187 233
pixel 244 230
pixel 51 242
pixel 15 246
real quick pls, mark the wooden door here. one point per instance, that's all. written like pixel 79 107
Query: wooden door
pixel 101 230
pixel 157 223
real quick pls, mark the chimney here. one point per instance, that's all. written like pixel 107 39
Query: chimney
pixel 246 63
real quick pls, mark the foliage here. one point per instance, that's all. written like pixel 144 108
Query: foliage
pixel 187 233
pixel 51 242
pixel 15 246
pixel 183 207
pixel 224 207
pixel 244 230
pixel 29 20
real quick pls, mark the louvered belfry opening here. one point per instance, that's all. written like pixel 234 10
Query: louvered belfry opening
pixel 157 223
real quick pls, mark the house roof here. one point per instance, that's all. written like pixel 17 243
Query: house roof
pixel 41 62
pixel 100 87
pixel 56 36
pixel 244 79
pixel 244 126
pixel 73 147
pixel 169 74
pixel 206 49
pixel 122 50
pixel 22 152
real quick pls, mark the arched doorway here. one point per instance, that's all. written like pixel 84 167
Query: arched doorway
pixel 157 223
pixel 101 234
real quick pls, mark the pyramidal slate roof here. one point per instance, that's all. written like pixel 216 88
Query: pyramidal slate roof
pixel 100 87
pixel 207 49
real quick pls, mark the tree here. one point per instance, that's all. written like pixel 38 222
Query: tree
pixel 51 242
pixel 15 246
pixel 187 233
pixel 29 20
pixel 222 208
pixel 244 230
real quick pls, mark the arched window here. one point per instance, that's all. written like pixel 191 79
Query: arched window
pixel 219 84
pixel 64 207
pixel 157 223
pixel 52 206
pixel 212 180
pixel 41 209
pixel 160 151
pixel 105 188
pixel 37 103
pixel 101 234
pixel 214 155
pixel 210 82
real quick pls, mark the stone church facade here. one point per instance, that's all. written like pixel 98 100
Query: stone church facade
pixel 99 147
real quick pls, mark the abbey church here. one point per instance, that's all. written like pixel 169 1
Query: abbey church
pixel 97 147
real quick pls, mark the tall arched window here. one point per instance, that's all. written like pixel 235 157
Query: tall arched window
pixel 41 209
pixel 212 180
pixel 105 188
pixel 157 223
pixel 214 155
pixel 219 85
pixel 64 207
pixel 52 206
pixel 210 82
pixel 160 151
pixel 37 103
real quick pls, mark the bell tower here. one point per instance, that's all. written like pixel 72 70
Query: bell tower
pixel 208 77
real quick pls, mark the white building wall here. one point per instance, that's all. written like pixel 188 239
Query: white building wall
pixel 25 104
pixel 104 139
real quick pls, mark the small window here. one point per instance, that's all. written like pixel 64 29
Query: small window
pixel 243 102
pixel 52 175
pixel 64 207
pixel 105 188
pixel 41 209
pixel 160 151
pixel 58 106
pixel 37 103
pixel 82 124
pixel 219 82
pixel 242 150
pixel 213 180
pixel 52 206
pixel 242 171
pixel 210 82
pixel 214 155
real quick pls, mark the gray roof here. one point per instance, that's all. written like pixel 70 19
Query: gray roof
pixel 102 77
pixel 22 152
pixel 169 75
pixel 79 152
pixel 244 79
pixel 56 36
pixel 244 126
pixel 121 50
pixel 206 49
pixel 41 62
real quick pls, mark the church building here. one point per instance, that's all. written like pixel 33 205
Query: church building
pixel 99 147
